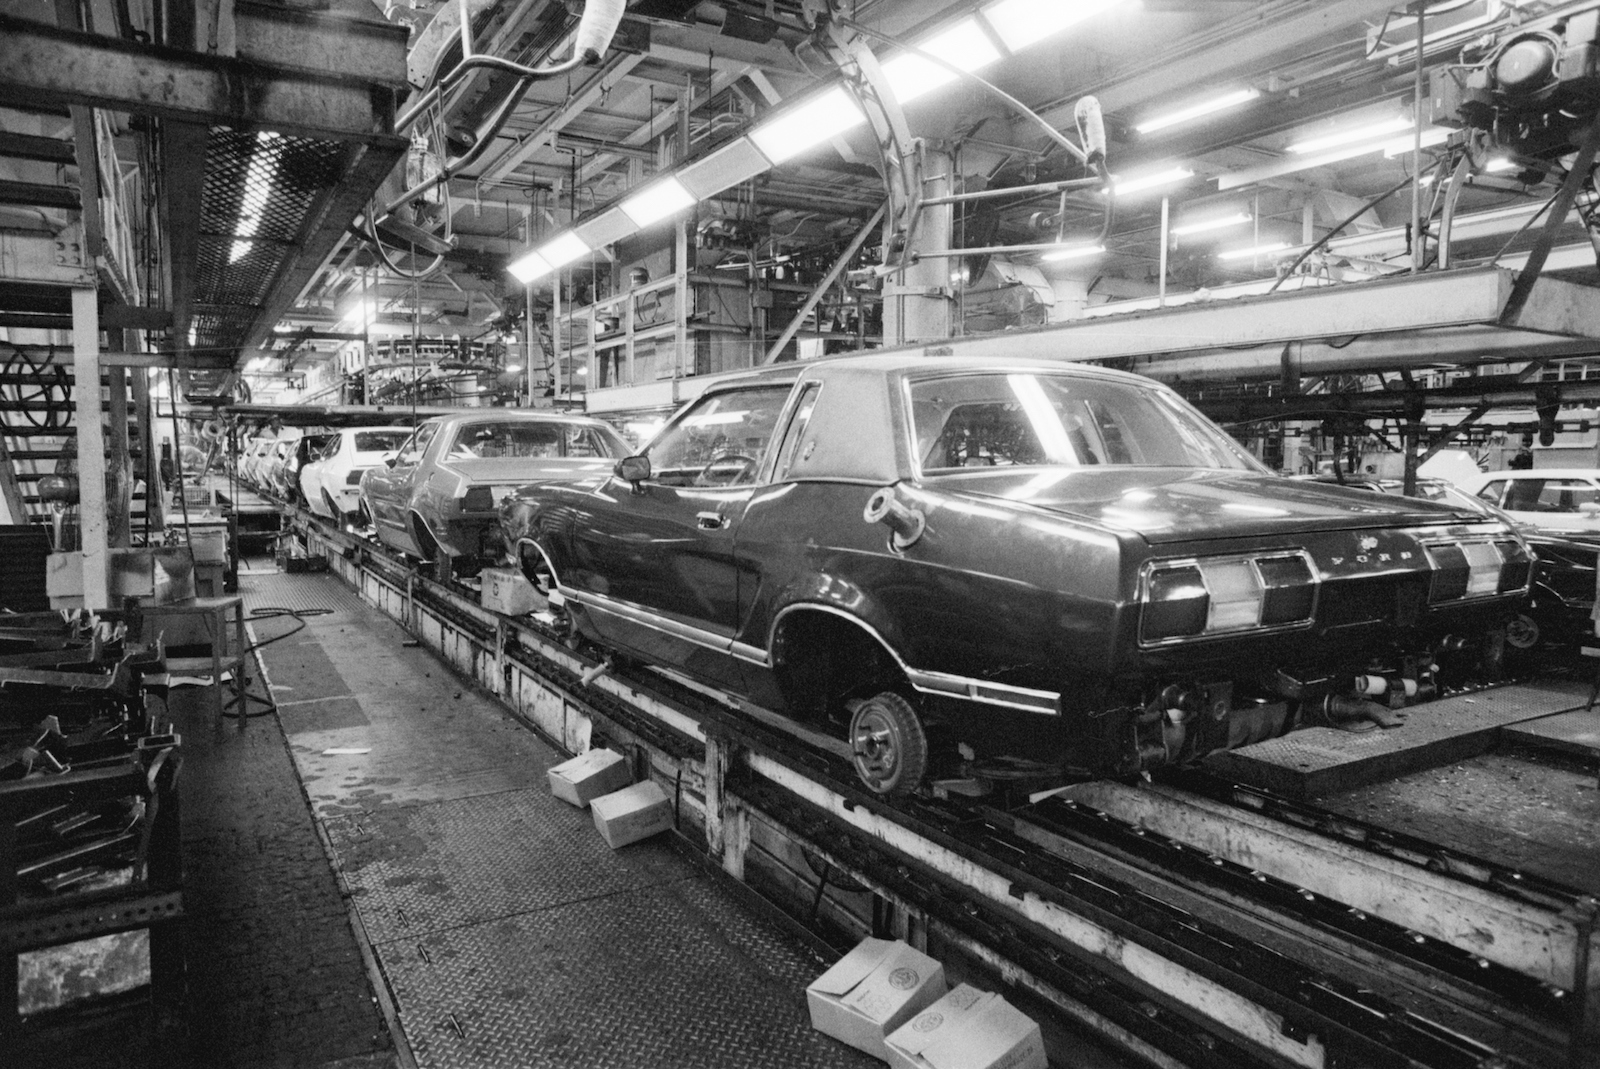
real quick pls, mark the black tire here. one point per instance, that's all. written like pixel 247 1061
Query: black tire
pixel 1523 633
pixel 888 745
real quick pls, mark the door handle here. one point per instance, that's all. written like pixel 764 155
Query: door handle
pixel 710 521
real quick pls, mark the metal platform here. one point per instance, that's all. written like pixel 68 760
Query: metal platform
pixel 1575 731
pixel 1319 761
pixel 508 932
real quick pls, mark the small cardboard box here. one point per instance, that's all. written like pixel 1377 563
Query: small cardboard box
pixel 968 1029
pixel 588 776
pixel 507 590
pixel 873 990
pixel 631 814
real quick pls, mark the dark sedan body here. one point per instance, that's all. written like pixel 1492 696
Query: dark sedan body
pixel 437 499
pixel 1052 565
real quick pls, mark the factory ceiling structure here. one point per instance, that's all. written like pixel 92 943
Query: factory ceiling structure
pixel 747 181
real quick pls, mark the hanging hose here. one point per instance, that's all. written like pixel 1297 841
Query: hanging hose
pixel 53 388
pixel 271 613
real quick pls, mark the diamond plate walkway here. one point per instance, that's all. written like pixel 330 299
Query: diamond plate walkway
pixel 508 933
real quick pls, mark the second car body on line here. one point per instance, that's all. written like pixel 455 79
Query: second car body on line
pixel 437 497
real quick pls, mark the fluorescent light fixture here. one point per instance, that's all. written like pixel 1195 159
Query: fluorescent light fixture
pixel 1021 23
pixel 964 46
pixel 512 369
pixel 1353 135
pixel 1498 165
pixel 361 314
pixel 738 161
pixel 1073 252
pixel 1198 111
pixel 656 202
pixel 563 250
pixel 1216 223
pixel 793 131
pixel 529 267
pixel 1254 250
pixel 1125 186
pixel 1433 135
pixel 611 225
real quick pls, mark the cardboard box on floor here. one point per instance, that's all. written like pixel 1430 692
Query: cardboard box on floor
pixel 588 776
pixel 967 1029
pixel 631 814
pixel 873 990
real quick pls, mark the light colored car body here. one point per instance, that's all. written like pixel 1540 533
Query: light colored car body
pixel 332 482
pixel 255 451
pixel 1554 499
pixel 440 494
pixel 273 466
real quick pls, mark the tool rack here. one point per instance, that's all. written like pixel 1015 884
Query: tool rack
pixel 89 816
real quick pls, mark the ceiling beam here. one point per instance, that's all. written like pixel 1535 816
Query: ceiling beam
pixel 614 67
pixel 45 63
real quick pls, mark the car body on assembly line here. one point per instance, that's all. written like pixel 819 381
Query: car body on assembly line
pixel 1051 566
pixel 1553 499
pixel 251 456
pixel 437 497
pixel 331 482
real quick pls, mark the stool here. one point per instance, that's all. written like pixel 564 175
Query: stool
pixel 213 614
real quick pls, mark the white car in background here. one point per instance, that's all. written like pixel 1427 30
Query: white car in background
pixel 331 483
pixel 255 451
pixel 1555 499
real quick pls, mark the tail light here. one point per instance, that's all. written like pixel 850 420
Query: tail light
pixel 354 478
pixel 1476 569
pixel 1226 595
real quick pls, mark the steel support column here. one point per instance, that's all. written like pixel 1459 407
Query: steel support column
pixel 91 449
pixel 916 301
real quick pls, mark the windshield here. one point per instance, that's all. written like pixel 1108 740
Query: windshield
pixel 1041 419
pixel 525 439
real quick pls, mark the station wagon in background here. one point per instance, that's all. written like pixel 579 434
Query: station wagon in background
pixel 436 499
pixel 1555 499
pixel 1022 567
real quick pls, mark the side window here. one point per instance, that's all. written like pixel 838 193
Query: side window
pixel 411 452
pixel 1492 490
pixel 1566 495
pixel 720 440
pixel 797 431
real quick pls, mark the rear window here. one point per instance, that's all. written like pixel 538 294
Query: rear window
pixel 521 439
pixel 380 441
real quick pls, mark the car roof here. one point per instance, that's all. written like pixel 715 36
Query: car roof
pixel 520 415
pixel 904 361
pixel 1544 473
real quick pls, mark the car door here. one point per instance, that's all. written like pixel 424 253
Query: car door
pixel 390 488
pixel 655 560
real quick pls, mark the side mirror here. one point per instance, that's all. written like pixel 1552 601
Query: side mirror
pixel 634 469
pixel 388 462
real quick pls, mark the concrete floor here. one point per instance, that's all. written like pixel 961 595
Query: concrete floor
pixel 504 929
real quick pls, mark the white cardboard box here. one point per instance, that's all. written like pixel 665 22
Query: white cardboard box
pixel 968 1029
pixel 631 814
pixel 873 990
pixel 507 590
pixel 588 776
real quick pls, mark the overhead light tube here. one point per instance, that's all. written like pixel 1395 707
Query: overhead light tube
pixel 563 249
pixel 657 201
pixel 529 267
pixel 1220 222
pixel 1072 252
pixel 1138 183
pixel 1353 135
pixel 1197 111
pixel 792 131
pixel 1254 250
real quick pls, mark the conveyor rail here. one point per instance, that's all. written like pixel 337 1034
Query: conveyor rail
pixel 1187 957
